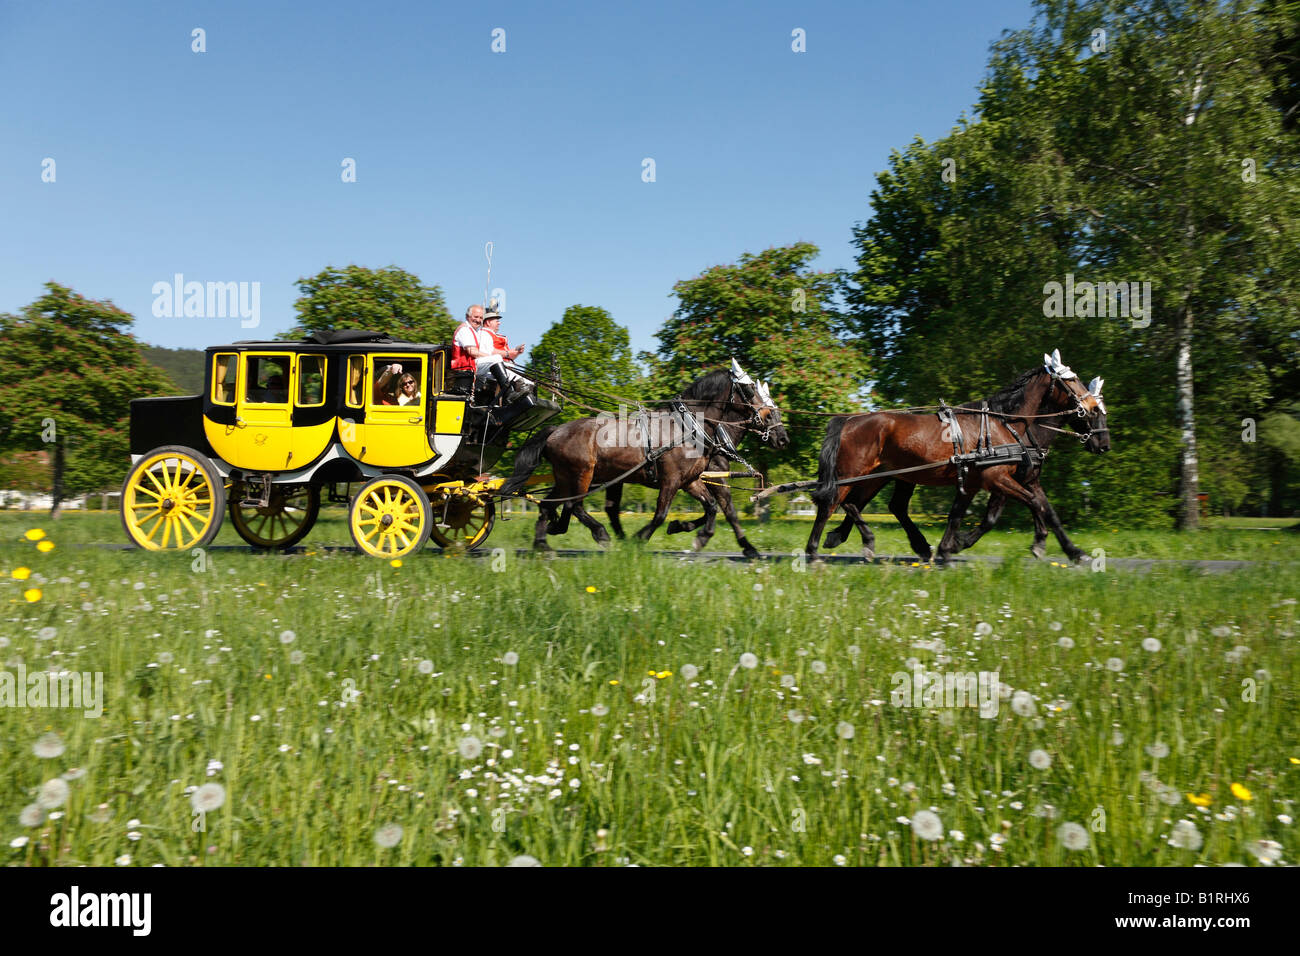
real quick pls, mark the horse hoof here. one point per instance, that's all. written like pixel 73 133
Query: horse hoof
pixel 752 554
pixel 868 554
pixel 1038 551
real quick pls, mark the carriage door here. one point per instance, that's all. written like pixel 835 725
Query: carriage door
pixel 396 435
pixel 265 434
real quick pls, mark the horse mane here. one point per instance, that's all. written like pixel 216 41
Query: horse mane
pixel 713 387
pixel 1010 398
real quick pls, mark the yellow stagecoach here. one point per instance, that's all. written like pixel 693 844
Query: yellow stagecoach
pixel 281 423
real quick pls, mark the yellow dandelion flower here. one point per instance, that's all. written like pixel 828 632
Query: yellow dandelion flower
pixel 21 574
pixel 45 546
pixel 662 674
pixel 916 564
pixel 1199 799
pixel 590 589
pixel 34 534
pixel 32 595
pixel 1294 759
pixel 1240 792
pixel 776 673
pixel 652 673
pixel 613 682
pixel 267 676
pixel 395 563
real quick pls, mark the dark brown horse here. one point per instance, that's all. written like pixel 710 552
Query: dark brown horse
pixel 1024 414
pixel 667 449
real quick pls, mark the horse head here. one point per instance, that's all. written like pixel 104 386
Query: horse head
pixel 765 416
pixel 1067 393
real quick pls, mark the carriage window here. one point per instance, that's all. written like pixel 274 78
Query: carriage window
pixel 438 370
pixel 266 379
pixel 396 380
pixel 224 369
pixel 356 374
pixel 311 380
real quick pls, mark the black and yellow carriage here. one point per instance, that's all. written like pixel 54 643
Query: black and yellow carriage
pixel 281 424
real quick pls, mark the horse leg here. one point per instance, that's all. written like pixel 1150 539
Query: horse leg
pixel 723 494
pixel 824 511
pixel 539 534
pixel 949 543
pixel 1072 550
pixel 700 492
pixel 560 523
pixel 997 501
pixel 666 494
pixel 591 524
pixel 898 502
pixel 613 501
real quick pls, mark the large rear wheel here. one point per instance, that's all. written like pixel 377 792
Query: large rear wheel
pixel 289 514
pixel 389 517
pixel 461 522
pixel 172 500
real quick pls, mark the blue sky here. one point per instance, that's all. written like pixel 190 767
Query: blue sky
pixel 226 165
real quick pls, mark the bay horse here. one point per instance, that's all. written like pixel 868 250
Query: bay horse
pixel 886 441
pixel 672 448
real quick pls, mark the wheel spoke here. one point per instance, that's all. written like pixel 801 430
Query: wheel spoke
pixel 186 521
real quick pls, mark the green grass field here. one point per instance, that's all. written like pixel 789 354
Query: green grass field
pixel 513 707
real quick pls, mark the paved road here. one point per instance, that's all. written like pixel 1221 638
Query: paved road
pixel 831 558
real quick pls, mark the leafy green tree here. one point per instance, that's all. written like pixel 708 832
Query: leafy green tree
pixel 594 354
pixel 1118 142
pixel 389 300
pixel 68 371
pixel 776 316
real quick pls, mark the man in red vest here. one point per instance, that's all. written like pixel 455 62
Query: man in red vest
pixel 473 349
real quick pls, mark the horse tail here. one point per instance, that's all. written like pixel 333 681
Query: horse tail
pixel 824 493
pixel 527 460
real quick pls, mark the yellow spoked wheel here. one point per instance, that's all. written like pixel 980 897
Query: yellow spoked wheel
pixel 461 522
pixel 172 500
pixel 389 517
pixel 289 514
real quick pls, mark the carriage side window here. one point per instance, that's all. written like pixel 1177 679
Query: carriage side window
pixel 356 375
pixel 224 369
pixel 266 379
pixel 311 380
pixel 438 372
pixel 396 379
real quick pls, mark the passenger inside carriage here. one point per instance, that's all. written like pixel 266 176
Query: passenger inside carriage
pixel 396 387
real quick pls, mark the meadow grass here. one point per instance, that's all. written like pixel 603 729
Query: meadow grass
pixel 521 707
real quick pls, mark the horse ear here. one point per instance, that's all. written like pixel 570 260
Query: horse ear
pixel 1095 386
pixel 738 374
pixel 1047 361
pixel 1056 356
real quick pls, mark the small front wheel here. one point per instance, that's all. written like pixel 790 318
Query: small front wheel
pixel 172 500
pixel 289 515
pixel 389 517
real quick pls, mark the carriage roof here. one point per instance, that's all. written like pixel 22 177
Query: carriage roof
pixel 350 340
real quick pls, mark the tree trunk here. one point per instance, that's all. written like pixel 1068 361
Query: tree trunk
pixel 1189 514
pixel 56 496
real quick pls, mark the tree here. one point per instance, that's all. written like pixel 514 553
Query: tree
pixel 389 300
pixel 1127 142
pixel 593 353
pixel 68 371
pixel 775 315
